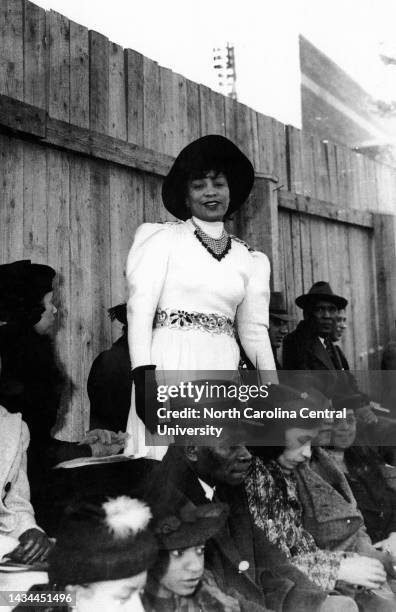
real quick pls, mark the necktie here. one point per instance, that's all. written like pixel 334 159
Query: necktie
pixel 333 354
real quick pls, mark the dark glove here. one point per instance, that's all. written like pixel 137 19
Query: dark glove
pixel 146 396
pixel 34 546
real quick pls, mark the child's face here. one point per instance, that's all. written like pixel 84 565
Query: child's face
pixel 184 571
pixel 116 595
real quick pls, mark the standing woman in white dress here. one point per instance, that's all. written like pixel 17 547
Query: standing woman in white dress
pixel 191 284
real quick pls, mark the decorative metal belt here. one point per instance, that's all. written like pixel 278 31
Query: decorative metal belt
pixel 180 319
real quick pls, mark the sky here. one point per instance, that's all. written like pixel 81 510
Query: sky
pixel 180 34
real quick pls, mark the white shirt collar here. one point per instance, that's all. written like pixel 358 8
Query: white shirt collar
pixel 212 228
pixel 209 491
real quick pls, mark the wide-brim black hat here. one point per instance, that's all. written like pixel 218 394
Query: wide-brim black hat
pixel 320 291
pixel 191 526
pixel 212 152
pixel 23 285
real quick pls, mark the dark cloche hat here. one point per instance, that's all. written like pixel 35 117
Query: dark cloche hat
pixel 278 308
pixel 212 152
pixel 352 401
pixel 191 526
pixel 103 541
pixel 320 291
pixel 23 285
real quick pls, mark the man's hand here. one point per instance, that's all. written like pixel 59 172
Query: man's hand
pixel 104 442
pixel 362 571
pixel 366 415
pixel 34 546
pixel 388 545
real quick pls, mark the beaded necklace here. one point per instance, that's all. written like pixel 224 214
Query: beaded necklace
pixel 217 247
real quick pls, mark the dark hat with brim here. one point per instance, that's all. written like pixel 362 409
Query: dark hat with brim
pixel 320 291
pixel 191 526
pixel 278 308
pixel 23 285
pixel 212 152
pixel 119 313
pixel 351 402
pixel 106 541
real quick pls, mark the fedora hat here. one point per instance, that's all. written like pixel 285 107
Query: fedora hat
pixel 320 291
pixel 212 152
pixel 278 308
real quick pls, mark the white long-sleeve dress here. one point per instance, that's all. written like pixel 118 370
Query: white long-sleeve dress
pixel 169 269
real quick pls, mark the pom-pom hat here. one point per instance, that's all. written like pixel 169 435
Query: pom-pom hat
pixel 106 541
pixel 212 152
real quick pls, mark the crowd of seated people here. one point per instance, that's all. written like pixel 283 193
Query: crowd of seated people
pixel 306 524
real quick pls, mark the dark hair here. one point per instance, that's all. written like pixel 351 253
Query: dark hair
pixel 269 452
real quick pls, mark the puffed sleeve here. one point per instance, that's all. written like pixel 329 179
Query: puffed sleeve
pixel 253 314
pixel 146 271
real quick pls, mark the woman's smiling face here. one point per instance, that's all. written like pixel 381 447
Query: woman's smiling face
pixel 208 196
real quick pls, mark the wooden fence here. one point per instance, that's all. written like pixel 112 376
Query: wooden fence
pixel 88 130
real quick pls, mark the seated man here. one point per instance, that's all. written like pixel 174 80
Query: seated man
pixel 109 382
pixel 240 556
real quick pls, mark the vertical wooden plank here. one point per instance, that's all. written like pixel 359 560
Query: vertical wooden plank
pixel 100 265
pixel 265 145
pixel 79 75
pixel 11 45
pixel 306 252
pixel 279 140
pixel 245 132
pixel 296 254
pixel 289 286
pixel 166 136
pixel 295 159
pixel 309 186
pixel 126 214
pixel 212 111
pixel 134 95
pixel 117 97
pixel 151 97
pixel 98 82
pixel 59 67
pixel 58 240
pixel 35 202
pixel 83 324
pixel 331 159
pixel 319 250
pixel 181 123
pixel 230 117
pixel 34 55
pixel 193 111
pixel 385 256
pixel 322 186
pixel 11 199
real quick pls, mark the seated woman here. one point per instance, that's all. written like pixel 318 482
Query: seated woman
pixel 362 466
pixel 100 561
pixel 32 382
pixel 16 513
pixel 273 500
pixel 178 582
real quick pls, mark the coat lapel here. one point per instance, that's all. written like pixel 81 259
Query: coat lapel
pixel 319 351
